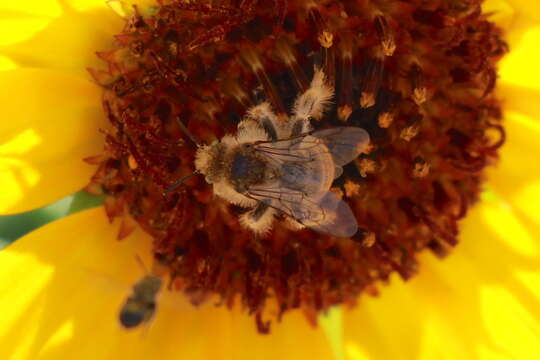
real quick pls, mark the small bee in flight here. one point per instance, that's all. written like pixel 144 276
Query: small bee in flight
pixel 140 306
pixel 275 166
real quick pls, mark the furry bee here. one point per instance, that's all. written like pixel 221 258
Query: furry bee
pixel 274 166
pixel 140 306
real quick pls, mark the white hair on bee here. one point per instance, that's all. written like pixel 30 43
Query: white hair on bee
pixel 261 118
pixel 229 140
pixel 203 157
pixel 226 191
pixel 263 110
pixel 292 224
pixel 259 219
pixel 247 132
pixel 313 102
pixel 207 155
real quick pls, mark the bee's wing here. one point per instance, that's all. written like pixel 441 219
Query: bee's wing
pixel 344 143
pixel 324 212
pixel 338 219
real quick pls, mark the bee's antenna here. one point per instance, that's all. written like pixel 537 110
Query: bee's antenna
pixel 141 262
pixel 187 132
pixel 179 182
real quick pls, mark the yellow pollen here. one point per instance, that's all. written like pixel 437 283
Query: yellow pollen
pixel 337 191
pixel 409 132
pixel 421 169
pixel 132 162
pixel 367 166
pixel 420 95
pixel 389 46
pixel 351 188
pixel 368 148
pixel 367 99
pixel 385 119
pixel 344 112
pixel 369 240
pixel 326 39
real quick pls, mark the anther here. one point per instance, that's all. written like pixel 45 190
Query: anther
pixel 385 119
pixel 409 132
pixel 369 239
pixel 385 36
pixel 367 99
pixel 421 168
pixel 371 83
pixel 326 40
pixel 345 93
pixel 420 95
pixel 366 166
pixel 351 188
pixel 132 162
pixel 419 92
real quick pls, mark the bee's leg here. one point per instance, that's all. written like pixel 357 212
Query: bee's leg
pixel 268 126
pixel 259 219
pixel 293 224
pixel 313 102
pixel 300 126
pixel 264 117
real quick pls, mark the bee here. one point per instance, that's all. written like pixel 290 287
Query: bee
pixel 140 306
pixel 274 166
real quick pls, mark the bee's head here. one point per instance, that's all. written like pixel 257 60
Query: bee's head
pixel 208 160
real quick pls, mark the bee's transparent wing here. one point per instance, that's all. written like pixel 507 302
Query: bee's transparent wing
pixel 339 219
pixel 323 212
pixel 344 143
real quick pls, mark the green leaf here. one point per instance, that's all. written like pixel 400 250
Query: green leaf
pixel 83 200
pixel 13 227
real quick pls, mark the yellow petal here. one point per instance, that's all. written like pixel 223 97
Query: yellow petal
pixel 6 64
pixel 66 38
pixel 125 8
pixel 500 12
pixel 482 302
pixel 516 177
pixel 519 66
pixel 526 8
pixel 62 287
pixel 31 8
pixel 50 122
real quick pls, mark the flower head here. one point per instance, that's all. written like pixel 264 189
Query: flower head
pixel 418 78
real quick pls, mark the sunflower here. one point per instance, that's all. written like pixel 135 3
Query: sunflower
pixel 63 284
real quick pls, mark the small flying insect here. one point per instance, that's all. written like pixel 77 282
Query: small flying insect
pixel 274 166
pixel 140 306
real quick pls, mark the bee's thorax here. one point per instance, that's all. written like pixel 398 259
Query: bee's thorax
pixel 246 168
